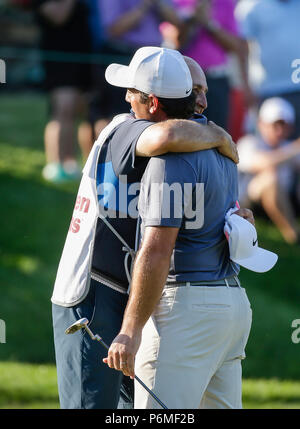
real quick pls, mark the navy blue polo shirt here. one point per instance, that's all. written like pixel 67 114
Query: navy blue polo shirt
pixel 192 192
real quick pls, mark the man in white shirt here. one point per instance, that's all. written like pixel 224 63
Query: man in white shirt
pixel 268 165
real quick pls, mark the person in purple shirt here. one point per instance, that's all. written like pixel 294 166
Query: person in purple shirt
pixel 208 35
pixel 131 24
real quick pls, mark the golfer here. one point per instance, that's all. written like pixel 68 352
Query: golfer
pixel 94 269
pixel 187 319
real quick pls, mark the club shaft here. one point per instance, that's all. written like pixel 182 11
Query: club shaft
pixel 150 392
pixel 100 340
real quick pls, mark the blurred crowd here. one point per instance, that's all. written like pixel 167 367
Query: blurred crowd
pixel 248 50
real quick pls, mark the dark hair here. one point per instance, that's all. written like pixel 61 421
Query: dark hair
pixel 175 108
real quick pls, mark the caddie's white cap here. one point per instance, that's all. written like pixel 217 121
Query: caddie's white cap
pixel 276 109
pixel 152 70
pixel 243 245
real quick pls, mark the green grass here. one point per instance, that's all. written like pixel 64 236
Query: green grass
pixel 272 393
pixel 28 386
pixel 34 218
pixel 34 386
pixel 274 298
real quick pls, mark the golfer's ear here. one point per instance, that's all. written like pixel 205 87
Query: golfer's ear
pixel 153 104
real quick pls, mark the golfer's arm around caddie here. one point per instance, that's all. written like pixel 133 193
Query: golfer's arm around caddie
pixel 180 135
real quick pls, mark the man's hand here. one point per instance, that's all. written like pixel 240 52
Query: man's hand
pixel 246 214
pixel 121 354
pixel 227 147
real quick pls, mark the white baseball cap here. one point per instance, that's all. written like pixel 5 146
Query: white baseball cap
pixel 276 109
pixel 159 71
pixel 243 245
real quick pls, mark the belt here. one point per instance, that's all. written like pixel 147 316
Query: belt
pixel 229 282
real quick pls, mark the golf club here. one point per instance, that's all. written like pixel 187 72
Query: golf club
pixel 83 324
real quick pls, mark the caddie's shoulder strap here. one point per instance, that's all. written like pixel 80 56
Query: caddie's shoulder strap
pixel 93 167
pixel 126 248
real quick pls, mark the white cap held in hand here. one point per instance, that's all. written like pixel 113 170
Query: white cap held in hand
pixel 243 245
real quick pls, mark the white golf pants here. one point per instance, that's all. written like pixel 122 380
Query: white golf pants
pixel 192 347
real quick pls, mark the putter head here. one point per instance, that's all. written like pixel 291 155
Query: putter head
pixel 79 324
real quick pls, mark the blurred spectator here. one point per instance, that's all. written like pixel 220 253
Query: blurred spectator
pixel 268 162
pixel 65 34
pixel 238 101
pixel 272 29
pixel 19 34
pixel 127 25
pixel 209 33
